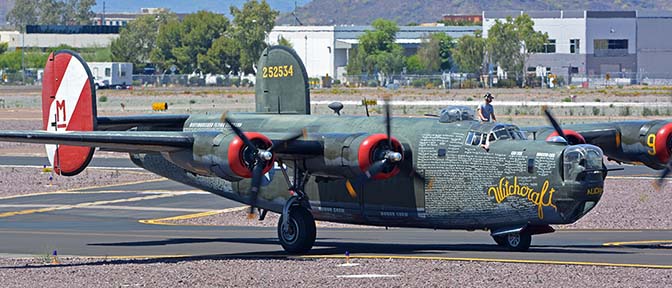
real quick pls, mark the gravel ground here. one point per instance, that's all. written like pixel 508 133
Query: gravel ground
pixel 21 181
pixel 316 273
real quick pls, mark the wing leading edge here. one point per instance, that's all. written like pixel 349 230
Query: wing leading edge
pixel 122 141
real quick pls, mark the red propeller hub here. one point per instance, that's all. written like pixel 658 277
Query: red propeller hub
pixel 373 149
pixel 572 136
pixel 241 157
pixel 664 143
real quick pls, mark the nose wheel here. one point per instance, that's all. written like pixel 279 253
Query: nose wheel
pixel 297 234
pixel 518 241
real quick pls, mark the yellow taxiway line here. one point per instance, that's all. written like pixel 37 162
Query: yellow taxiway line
pixel 163 221
pixel 519 261
pixel 643 242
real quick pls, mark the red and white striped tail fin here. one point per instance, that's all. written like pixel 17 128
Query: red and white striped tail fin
pixel 68 104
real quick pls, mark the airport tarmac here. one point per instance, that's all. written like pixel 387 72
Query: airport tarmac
pixel 111 221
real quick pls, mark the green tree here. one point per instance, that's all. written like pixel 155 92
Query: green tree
pixel 51 12
pixel 198 32
pixel 24 12
pixel 435 52
pixel 80 11
pixel 3 47
pixel 251 25
pixel 468 53
pixel 222 58
pixel 137 40
pixel 510 43
pixel 413 65
pixel 167 39
pixel 285 42
pixel 377 51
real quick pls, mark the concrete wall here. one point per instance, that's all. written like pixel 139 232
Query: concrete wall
pixel 16 40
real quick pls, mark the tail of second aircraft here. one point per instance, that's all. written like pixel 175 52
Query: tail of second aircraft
pixel 68 104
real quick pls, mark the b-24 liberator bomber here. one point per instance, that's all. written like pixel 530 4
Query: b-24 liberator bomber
pixel 450 172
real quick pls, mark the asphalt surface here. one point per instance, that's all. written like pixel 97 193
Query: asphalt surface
pixel 106 222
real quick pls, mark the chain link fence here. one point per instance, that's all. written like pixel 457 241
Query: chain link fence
pixel 442 81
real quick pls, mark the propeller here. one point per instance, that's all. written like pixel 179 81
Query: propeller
pixel 555 123
pixel 260 160
pixel 387 155
pixel 661 181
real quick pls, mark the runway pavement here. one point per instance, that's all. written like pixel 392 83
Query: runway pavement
pixel 106 222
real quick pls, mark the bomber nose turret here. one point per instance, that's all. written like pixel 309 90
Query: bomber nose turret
pixel 583 178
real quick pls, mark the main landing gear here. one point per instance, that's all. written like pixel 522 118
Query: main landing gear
pixel 296 227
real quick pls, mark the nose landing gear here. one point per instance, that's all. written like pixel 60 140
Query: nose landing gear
pixel 516 241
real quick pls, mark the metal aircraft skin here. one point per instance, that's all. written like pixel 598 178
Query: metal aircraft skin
pixel 449 172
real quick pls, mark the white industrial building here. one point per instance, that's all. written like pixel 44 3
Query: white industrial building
pixel 619 43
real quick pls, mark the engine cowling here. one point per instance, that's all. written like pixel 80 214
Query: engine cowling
pixel 223 155
pixel 373 149
pixel 571 136
pixel 659 142
pixel 352 155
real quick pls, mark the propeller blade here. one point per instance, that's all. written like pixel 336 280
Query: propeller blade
pixel 240 133
pixel 661 181
pixel 376 168
pixel 292 138
pixel 388 128
pixel 555 123
pixel 257 173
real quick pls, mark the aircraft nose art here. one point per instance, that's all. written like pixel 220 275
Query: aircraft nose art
pixel 67 105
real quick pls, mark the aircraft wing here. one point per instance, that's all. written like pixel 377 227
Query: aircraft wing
pixel 122 141
pixel 647 142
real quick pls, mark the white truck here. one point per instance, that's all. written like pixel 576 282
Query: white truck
pixel 116 75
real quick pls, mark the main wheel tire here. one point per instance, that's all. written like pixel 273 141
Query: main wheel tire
pixel 519 241
pixel 500 240
pixel 300 234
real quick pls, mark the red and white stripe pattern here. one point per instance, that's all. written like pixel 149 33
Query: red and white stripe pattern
pixel 67 105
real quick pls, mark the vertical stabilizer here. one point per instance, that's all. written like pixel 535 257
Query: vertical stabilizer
pixel 282 82
pixel 68 104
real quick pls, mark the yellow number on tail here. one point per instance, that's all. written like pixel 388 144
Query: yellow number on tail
pixel 651 142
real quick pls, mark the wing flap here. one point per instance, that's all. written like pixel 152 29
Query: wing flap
pixel 125 141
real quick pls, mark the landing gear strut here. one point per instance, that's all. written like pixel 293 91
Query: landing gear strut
pixel 296 227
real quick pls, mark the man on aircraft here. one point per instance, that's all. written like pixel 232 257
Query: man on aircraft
pixel 486 113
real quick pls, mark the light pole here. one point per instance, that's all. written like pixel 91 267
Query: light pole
pixel 23 47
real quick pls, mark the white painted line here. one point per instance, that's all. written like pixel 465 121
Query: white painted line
pixel 348 265
pixel 109 207
pixel 507 103
pixel 367 276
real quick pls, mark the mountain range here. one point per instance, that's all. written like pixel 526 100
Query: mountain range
pixel 182 6
pixel 359 12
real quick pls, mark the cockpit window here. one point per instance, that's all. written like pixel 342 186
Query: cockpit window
pixel 498 132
